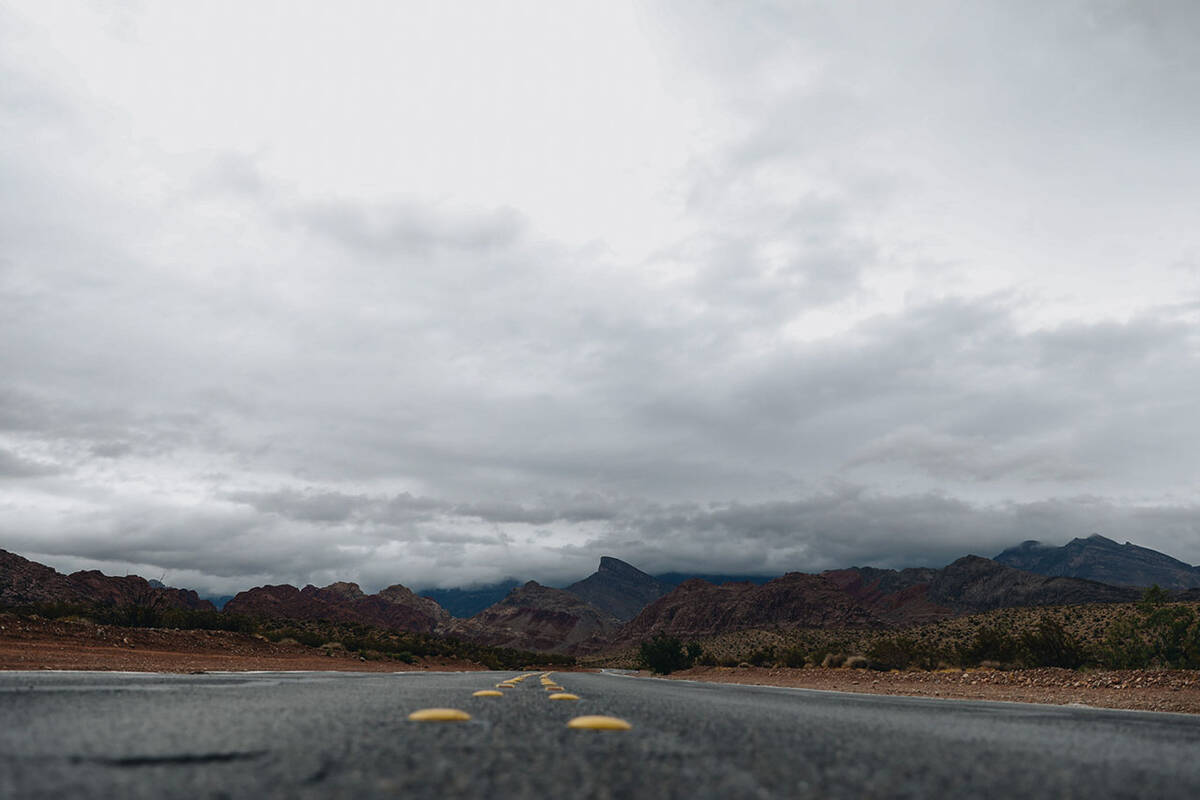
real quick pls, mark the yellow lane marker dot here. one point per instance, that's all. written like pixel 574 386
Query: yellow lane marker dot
pixel 554 689
pixel 439 715
pixel 505 686
pixel 488 693
pixel 564 696
pixel 599 724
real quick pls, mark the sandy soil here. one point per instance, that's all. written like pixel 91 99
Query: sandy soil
pixel 54 644
pixel 1147 690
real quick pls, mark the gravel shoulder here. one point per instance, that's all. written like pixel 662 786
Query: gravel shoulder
pixel 1144 690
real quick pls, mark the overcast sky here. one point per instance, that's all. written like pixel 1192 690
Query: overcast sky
pixel 438 293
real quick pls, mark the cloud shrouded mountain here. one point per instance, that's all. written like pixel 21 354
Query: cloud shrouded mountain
pixel 439 296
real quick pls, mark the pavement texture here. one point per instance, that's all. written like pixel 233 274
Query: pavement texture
pixel 83 735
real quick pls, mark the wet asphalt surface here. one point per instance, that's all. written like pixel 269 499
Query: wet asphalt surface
pixel 84 735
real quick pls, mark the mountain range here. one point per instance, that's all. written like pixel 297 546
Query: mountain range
pixel 620 604
pixel 469 601
pixel 1099 559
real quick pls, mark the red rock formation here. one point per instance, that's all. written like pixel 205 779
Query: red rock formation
pixel 897 598
pixel 395 607
pixel 698 608
pixel 536 617
pixel 25 583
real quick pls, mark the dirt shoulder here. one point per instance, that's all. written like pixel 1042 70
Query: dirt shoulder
pixel 1145 690
pixel 27 643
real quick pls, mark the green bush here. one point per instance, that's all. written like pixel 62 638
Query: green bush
pixel 762 657
pixel 1049 645
pixel 990 643
pixel 895 653
pixel 793 657
pixel 663 654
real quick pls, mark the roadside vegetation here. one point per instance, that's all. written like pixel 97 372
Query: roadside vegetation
pixel 1152 634
pixel 369 643
pixel 663 655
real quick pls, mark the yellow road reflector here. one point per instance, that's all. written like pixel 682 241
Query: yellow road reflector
pixel 554 688
pixel 488 693
pixel 599 724
pixel 439 715
pixel 564 696
pixel 505 686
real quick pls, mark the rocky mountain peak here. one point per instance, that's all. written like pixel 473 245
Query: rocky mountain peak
pixel 350 591
pixel 615 566
pixel 619 588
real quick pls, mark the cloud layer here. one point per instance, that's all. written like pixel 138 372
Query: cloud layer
pixel 795 287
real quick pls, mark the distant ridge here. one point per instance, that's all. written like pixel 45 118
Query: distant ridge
pixel 28 583
pixel 464 603
pixel 395 607
pixel 536 617
pixel 675 578
pixel 1097 558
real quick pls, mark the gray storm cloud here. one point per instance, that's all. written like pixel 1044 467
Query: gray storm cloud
pixel 923 292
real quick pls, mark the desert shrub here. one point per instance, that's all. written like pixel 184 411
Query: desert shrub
pixel 1165 637
pixel 762 657
pixel 663 654
pixel 990 643
pixel 793 657
pixel 857 662
pixel 1049 645
pixel 899 652
pixel 706 659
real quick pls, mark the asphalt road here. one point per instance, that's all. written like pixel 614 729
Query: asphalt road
pixel 81 735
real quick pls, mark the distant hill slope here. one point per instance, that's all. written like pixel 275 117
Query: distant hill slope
pixel 973 584
pixel 25 583
pixel 618 588
pixel 394 607
pixel 970 584
pixel 464 603
pixel 796 600
pixel 860 597
pixel 673 579
pixel 1097 558
pixel 536 617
